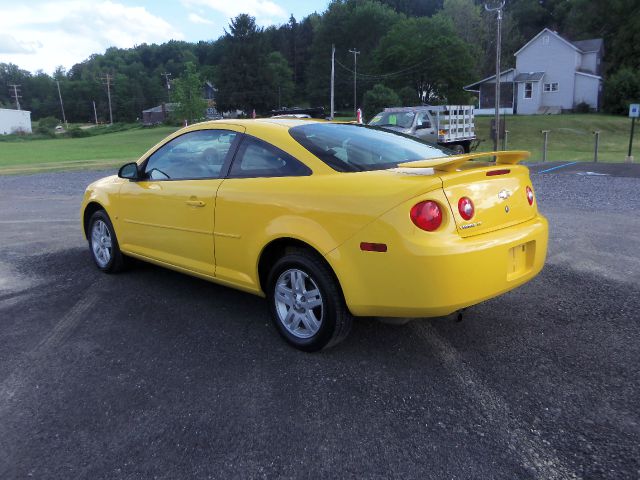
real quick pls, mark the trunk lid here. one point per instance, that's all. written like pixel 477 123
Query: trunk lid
pixel 500 201
pixel 497 190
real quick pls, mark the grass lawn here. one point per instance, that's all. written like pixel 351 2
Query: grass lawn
pixel 108 150
pixel 571 137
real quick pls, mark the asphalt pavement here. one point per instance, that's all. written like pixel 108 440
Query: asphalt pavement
pixel 154 374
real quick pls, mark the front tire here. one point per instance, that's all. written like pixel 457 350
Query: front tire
pixel 307 306
pixel 103 243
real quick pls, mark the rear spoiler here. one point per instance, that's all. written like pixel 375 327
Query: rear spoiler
pixel 452 163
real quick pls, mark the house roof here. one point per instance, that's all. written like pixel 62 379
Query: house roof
pixel 589 75
pixel 529 77
pixel 590 45
pixel 546 30
pixel 471 87
pixel 168 108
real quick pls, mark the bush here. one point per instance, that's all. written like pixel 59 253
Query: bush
pixel 76 132
pixel 621 89
pixel 378 98
pixel 582 107
pixel 47 125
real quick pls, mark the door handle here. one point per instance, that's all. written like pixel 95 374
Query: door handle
pixel 195 203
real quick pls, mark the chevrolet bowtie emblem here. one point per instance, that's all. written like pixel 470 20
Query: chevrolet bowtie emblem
pixel 504 194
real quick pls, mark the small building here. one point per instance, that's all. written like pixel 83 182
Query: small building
pixel 551 75
pixel 14 121
pixel 157 115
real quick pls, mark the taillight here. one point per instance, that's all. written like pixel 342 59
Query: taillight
pixel 426 215
pixel 465 207
pixel 529 195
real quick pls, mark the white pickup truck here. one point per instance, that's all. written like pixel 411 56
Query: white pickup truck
pixel 451 126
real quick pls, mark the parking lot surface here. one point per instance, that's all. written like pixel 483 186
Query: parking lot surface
pixel 154 374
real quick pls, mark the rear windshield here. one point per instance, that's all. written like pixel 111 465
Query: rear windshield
pixel 355 148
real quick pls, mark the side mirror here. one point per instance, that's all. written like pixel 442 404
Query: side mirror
pixel 425 124
pixel 129 171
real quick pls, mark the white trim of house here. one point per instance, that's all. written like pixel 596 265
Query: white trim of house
pixel 589 75
pixel 485 79
pixel 552 32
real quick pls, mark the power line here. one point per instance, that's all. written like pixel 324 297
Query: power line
pixel 383 75
pixel 16 95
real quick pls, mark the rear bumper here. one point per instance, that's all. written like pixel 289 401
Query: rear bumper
pixel 426 275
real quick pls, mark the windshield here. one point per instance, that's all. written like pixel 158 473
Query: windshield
pixel 353 148
pixel 393 119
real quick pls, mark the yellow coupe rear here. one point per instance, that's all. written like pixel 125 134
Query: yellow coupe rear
pixel 328 221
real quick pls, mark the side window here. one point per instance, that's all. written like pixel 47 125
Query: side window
pixel 528 90
pixel 256 158
pixel 198 154
pixel 423 120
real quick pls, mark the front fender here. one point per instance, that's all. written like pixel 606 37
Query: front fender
pixel 101 194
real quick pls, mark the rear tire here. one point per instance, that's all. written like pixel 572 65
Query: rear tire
pixel 103 244
pixel 458 149
pixel 306 303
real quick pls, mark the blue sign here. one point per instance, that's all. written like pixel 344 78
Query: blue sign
pixel 634 110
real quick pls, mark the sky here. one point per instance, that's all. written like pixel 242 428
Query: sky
pixel 43 34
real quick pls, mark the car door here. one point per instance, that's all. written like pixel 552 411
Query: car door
pixel 169 215
pixel 424 128
pixel 254 193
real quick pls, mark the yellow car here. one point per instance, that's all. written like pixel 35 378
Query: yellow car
pixel 327 220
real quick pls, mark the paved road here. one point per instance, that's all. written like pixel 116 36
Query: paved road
pixel 153 374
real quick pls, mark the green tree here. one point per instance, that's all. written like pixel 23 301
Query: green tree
pixel 243 75
pixel 280 78
pixel 427 54
pixel 414 8
pixel 378 98
pixel 348 24
pixel 408 96
pixel 621 89
pixel 617 21
pixel 512 40
pixel 188 94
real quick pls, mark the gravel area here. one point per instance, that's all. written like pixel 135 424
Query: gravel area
pixel 154 374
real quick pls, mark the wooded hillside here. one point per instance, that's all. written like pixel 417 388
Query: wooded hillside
pixel 433 47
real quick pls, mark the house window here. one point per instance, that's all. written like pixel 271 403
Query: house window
pixel 528 90
pixel 551 87
pixel 545 40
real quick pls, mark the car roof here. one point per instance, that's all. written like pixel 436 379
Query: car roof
pixel 266 122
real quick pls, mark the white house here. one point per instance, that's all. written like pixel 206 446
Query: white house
pixel 552 74
pixel 13 121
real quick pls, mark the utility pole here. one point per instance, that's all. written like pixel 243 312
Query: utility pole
pixel 95 113
pixel 355 73
pixel 333 79
pixel 107 79
pixel 166 77
pixel 16 95
pixel 498 10
pixel 64 118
